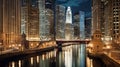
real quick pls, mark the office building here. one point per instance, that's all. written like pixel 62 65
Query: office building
pixel 1 21
pixel 50 20
pixel 11 22
pixel 69 31
pixel 106 14
pixel 60 22
pixel 82 25
pixel 88 27
pixel 43 23
pixel 97 16
pixel 76 26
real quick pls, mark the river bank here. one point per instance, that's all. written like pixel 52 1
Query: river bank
pixel 105 59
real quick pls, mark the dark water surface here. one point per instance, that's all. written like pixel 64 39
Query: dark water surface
pixel 70 56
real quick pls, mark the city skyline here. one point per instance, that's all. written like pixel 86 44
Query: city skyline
pixel 59 33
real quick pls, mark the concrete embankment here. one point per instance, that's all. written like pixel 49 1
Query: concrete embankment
pixel 21 54
pixel 109 62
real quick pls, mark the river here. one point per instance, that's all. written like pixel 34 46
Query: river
pixel 69 56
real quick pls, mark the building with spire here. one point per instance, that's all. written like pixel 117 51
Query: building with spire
pixel 69 32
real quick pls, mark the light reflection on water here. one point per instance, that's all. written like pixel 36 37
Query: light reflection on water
pixel 70 56
pixel 13 64
pixel 19 63
pixel 89 62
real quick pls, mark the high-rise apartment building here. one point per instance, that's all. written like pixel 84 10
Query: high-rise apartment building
pixel 11 22
pixel 60 22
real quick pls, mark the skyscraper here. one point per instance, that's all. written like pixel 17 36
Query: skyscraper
pixel 30 21
pixel 115 18
pixel 1 21
pixel 50 8
pixel 69 32
pixel 97 16
pixel 82 25
pixel 88 27
pixel 107 14
pixel 33 23
pixel 76 26
pixel 50 19
pixel 60 22
pixel 43 23
pixel 24 19
pixel 11 22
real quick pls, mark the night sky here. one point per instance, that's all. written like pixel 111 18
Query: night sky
pixel 77 5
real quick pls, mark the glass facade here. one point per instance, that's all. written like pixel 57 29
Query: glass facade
pixel 82 25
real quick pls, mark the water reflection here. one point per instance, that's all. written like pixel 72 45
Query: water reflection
pixel 89 62
pixel 13 64
pixel 70 56
pixel 19 63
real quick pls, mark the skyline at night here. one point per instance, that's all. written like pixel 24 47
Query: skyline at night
pixel 59 33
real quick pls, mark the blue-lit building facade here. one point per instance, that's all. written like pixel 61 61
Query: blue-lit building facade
pixel 82 25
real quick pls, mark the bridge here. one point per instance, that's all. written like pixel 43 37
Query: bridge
pixel 60 42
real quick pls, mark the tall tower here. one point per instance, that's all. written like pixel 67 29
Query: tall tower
pixel 11 22
pixel 109 11
pixel 49 6
pixel 1 21
pixel 43 23
pixel 97 16
pixel 115 19
pixel 69 16
pixel 33 22
pixel 60 22
pixel 68 26
pixel 50 18
pixel 76 26
pixel 82 25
